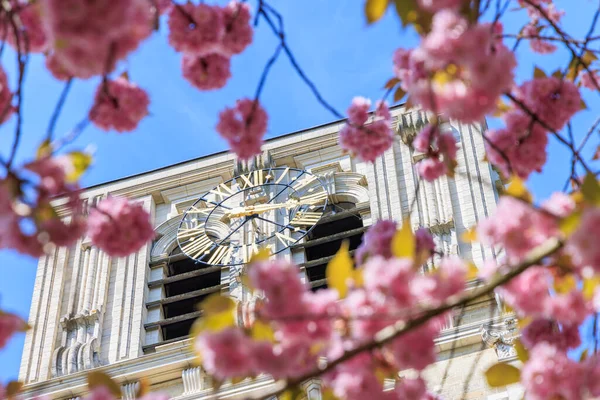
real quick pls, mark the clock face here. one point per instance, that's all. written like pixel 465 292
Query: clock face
pixel 271 208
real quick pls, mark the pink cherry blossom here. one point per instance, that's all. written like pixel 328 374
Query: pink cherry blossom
pixel 377 241
pixel 366 140
pixel 437 5
pixel 283 361
pixel 163 6
pixel 582 245
pixel 517 227
pixel 391 277
pixel 425 246
pixel 358 112
pixel 89 38
pixel 281 283
pixel 591 367
pixel 447 280
pixel 52 172
pixel 244 127
pixel 319 310
pixel 559 204
pixel 413 389
pixel 550 374
pixel 206 73
pixel 552 99
pixel 587 79
pixel 570 308
pixel 416 348
pixel 119 105
pixel 119 226
pixel 357 385
pixel 55 67
pixel 532 33
pixel 431 168
pixel 563 337
pixel 238 31
pixel 520 148
pixel 32 36
pixel 368 313
pixel 60 231
pixel 9 325
pixel 528 292
pixel 225 354
pixel 459 70
pixel 100 393
pixel 196 28
pixel 6 108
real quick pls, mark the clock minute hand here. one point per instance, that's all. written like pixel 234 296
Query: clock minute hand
pixel 254 210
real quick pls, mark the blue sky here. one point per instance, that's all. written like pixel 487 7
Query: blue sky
pixel 331 41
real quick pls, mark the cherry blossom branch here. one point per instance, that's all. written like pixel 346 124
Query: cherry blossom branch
pixel 57 109
pixel 386 335
pixel 536 119
pixel 22 60
pixel 566 37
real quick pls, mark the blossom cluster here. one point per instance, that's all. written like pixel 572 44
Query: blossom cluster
pixel 550 296
pixel 308 325
pixel 365 138
pixel 208 35
pixel 32 223
pixel 520 148
pixel 459 70
pixel 440 150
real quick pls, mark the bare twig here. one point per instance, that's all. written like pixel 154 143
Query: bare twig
pixel 57 109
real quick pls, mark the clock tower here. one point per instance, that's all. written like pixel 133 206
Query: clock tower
pixel 130 317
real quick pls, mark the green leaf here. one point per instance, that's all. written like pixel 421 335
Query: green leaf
pixel 501 374
pixel 97 379
pixel 143 387
pixel 591 189
pixel 391 83
pixel 589 287
pixel 375 9
pixel 12 389
pixel 410 14
pixel 218 313
pixel 262 332
pixel 403 242
pixel 518 190
pixel 470 235
pixel 582 105
pixel 399 94
pixel 339 270
pixel 538 73
pixel 522 353
pixel 588 58
pixel 470 11
pixel 568 224
pixel 45 149
pixel 564 284
pixel 294 393
pixel 81 162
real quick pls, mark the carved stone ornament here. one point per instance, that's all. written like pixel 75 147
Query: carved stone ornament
pixel 501 338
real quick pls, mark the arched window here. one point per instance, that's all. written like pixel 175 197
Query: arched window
pixel 340 222
pixel 186 284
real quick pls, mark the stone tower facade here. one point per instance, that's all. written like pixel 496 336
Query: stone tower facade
pixel 130 316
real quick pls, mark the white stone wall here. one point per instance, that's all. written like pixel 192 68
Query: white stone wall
pixel 448 207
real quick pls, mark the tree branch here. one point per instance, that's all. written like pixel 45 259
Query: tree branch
pixel 396 330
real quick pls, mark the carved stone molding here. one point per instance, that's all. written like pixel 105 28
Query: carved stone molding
pixel 129 390
pixel 501 338
pixel 194 380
